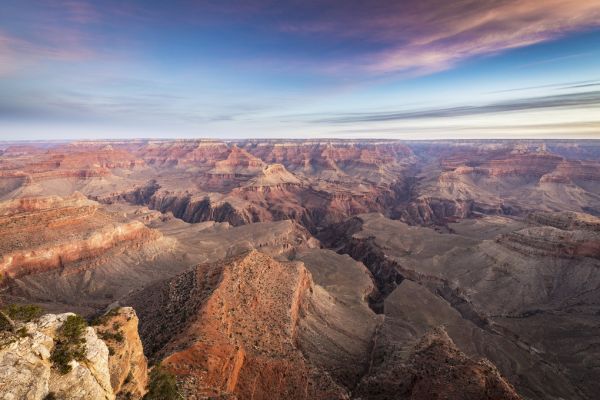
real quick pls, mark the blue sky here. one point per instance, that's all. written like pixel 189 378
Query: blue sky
pixel 264 68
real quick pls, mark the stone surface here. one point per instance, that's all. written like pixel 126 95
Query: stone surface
pixel 127 364
pixel 26 371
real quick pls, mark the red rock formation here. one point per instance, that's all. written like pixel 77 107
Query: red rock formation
pixel 80 161
pixel 39 234
pixel 242 340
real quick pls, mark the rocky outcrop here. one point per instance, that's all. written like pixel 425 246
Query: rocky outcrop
pixel 435 369
pixel 255 325
pixel 118 370
pixel 139 195
pixel 26 371
pixel 241 338
pixel 127 364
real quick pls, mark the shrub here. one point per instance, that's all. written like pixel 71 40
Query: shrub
pixel 73 327
pixel 116 336
pixel 22 332
pixel 5 324
pixel 102 319
pixel 162 385
pixel 70 344
pixel 23 312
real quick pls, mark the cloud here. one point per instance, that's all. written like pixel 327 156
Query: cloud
pixel 346 37
pixel 33 34
pixel 558 86
pixel 572 100
pixel 60 45
pixel 79 11
pixel 420 37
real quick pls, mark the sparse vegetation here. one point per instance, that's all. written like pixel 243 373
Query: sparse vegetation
pixel 70 343
pixel 162 385
pixel 11 316
pixel 102 319
pixel 112 333
pixel 23 312
pixel 129 378
pixel 22 332
pixel 50 396
pixel 5 323
pixel 116 336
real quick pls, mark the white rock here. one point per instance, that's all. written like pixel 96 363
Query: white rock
pixel 26 370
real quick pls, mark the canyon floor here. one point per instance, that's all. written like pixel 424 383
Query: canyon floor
pixel 315 269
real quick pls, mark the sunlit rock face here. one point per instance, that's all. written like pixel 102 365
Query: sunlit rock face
pixel 28 372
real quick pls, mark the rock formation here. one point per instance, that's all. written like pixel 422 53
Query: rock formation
pixel 307 269
pixel 127 364
pixel 41 234
pixel 242 330
pixel 27 370
pixel 435 369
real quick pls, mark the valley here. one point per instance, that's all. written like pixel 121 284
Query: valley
pixel 313 269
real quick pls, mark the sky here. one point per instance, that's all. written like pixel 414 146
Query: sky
pixel 414 69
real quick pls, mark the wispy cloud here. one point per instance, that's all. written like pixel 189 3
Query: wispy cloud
pixel 378 37
pixel 420 37
pixel 59 45
pixel 79 11
pixel 50 31
pixel 558 86
pixel 585 99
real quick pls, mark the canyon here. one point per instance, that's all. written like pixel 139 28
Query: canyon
pixel 306 269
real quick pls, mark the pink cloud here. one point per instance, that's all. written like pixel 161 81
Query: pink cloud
pixel 420 37
pixel 58 32
pixel 60 45
pixel 483 31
